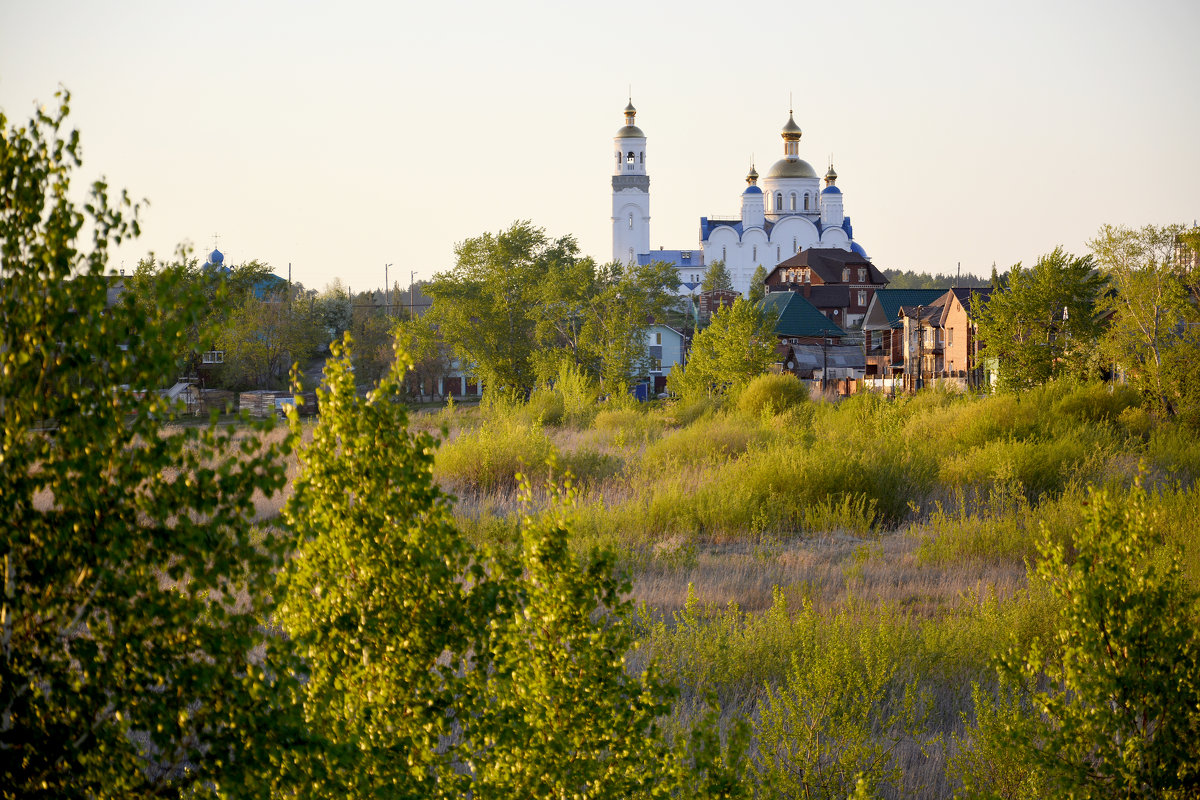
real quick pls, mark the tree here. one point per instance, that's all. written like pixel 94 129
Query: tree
pixel 335 310
pixel 627 300
pixel 482 305
pixel 1042 324
pixel 518 305
pixel 262 339
pixel 429 355
pixel 758 284
pixel 737 346
pixel 716 278
pixel 439 670
pixel 1154 331
pixel 1116 694
pixel 130 609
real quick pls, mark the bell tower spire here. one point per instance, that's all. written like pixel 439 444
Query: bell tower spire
pixel 631 192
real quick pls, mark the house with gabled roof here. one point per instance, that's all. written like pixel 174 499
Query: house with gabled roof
pixel 810 343
pixel 840 283
pixel 941 340
pixel 883 328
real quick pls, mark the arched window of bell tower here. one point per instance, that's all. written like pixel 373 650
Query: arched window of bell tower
pixel 806 201
pixel 631 222
pixel 642 158
pixel 629 158
pixel 779 201
pixel 792 199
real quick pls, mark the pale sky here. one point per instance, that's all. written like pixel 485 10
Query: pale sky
pixel 340 137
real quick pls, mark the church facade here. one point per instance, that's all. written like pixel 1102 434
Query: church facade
pixel 789 213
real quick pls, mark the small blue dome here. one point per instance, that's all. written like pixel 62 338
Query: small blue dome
pixel 752 190
pixel 216 257
pixel 831 190
pixel 856 247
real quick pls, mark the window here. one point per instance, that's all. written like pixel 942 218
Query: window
pixel 807 275
pixel 862 298
pixel 755 256
pixel 776 254
pixel 212 357
pixel 806 201
pixel 629 158
pixel 792 201
pixel 642 158
pixel 631 222
pixel 722 252
pixel 795 247
pixel 845 274
pixel 950 336
pixel 658 337
pixel 779 201
pixel 862 273
pixel 657 367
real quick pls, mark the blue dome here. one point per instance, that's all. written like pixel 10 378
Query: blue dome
pixel 856 247
pixel 831 190
pixel 216 257
pixel 752 190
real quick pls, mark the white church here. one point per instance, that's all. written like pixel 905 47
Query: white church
pixel 790 212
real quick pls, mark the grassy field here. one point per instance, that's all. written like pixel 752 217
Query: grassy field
pixel 869 542
pixel 868 558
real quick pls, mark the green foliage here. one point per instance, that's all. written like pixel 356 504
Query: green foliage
pixel 490 457
pixel 837 719
pixel 758 284
pixel 1022 325
pixel 262 339
pixel 982 764
pixel 735 348
pixel 374 600
pixel 517 305
pixel 132 658
pixel 439 670
pixel 772 394
pixel 1116 693
pixel 716 278
pixel 1153 335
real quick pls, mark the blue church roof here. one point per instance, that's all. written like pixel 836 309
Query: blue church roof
pixel 710 224
pixel 695 258
pixel 752 190
pixel 831 190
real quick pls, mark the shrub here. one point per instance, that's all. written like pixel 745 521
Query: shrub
pixel 772 394
pixel 489 458
pixel 1096 402
pixel 1117 690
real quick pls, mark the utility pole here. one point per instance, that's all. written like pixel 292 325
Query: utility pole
pixel 920 347
pixel 411 275
pixel 824 358
pixel 387 298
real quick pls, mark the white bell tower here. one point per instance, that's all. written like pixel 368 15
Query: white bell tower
pixel 631 192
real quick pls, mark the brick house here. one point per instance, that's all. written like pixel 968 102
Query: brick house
pixel 840 283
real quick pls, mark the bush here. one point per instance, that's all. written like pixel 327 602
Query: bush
pixel 489 458
pixel 772 394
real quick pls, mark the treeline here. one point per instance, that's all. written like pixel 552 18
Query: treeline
pixel 909 279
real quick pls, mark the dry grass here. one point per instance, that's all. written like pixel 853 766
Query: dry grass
pixel 827 572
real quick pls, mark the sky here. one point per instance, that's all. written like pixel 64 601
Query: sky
pixel 338 138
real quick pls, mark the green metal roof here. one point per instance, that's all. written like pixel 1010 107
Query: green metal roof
pixel 890 300
pixel 795 316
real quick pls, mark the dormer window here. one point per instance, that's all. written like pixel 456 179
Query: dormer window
pixel 845 274
pixel 862 273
